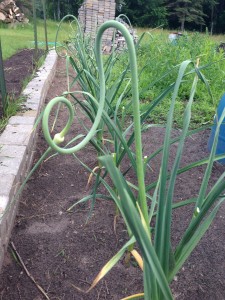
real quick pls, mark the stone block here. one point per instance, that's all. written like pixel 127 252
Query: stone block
pixel 32 106
pixel 7 190
pixel 17 135
pixel 13 161
pixel 22 120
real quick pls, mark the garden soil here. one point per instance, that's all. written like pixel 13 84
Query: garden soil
pixel 64 251
pixel 18 70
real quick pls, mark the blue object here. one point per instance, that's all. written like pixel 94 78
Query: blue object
pixel 49 43
pixel 221 139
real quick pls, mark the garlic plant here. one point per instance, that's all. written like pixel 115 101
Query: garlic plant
pixel 160 262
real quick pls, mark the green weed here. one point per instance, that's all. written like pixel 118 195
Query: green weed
pixel 158 63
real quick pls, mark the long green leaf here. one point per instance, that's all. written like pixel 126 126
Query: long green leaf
pixel 135 223
pixel 169 197
pixel 161 241
pixel 209 201
pixel 193 241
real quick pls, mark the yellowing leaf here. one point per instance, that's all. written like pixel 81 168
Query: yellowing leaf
pixel 133 297
pixel 138 258
pixel 107 267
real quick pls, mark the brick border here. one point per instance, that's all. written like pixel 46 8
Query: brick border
pixel 17 146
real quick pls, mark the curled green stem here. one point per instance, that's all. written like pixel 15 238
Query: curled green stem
pixel 58 30
pixel 54 143
pixel 135 100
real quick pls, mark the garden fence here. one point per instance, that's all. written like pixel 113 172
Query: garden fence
pixel 2 83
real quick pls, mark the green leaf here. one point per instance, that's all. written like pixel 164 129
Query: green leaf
pixel 188 247
pixel 134 221
pixel 164 211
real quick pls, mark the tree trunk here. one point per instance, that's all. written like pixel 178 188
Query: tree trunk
pixel 54 14
pixel 182 24
pixel 58 10
pixel 212 16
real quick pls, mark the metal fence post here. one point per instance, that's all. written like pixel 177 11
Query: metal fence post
pixel 2 82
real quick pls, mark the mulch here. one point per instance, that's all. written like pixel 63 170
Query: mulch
pixel 65 250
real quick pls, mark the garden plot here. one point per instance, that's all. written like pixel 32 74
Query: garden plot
pixel 63 265
pixel 61 250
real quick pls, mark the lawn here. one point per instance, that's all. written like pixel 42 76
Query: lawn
pixel 22 36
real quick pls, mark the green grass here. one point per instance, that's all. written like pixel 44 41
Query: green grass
pixel 22 36
pixel 11 110
pixel 18 38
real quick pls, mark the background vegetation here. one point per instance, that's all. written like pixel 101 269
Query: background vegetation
pixel 171 14
pixel 22 36
pixel 158 64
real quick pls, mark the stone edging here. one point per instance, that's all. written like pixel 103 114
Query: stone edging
pixel 17 145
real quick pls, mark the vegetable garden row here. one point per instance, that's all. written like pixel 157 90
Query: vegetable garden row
pixel 147 208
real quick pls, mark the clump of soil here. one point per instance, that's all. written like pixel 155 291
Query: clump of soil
pixel 62 249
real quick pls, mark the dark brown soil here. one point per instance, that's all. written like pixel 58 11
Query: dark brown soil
pixel 61 249
pixel 19 68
